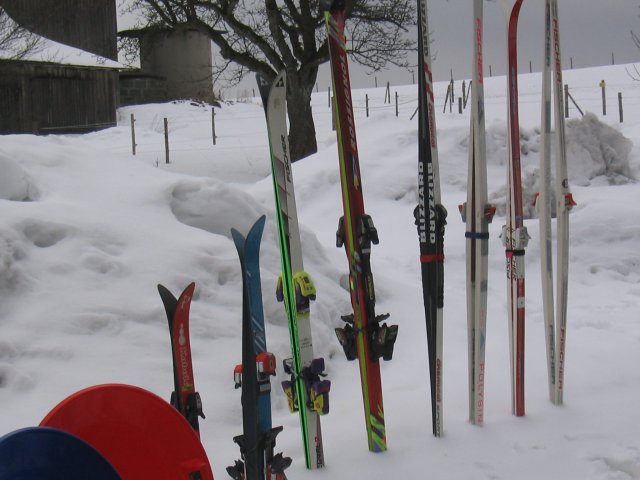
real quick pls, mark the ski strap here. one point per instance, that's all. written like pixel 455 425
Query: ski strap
pixel 432 258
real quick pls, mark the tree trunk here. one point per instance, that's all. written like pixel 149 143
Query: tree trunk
pixel 302 131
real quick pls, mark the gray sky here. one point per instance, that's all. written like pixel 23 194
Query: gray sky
pixel 590 31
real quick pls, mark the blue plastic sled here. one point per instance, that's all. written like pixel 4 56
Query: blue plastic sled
pixel 43 453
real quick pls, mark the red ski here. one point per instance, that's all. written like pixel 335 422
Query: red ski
pixel 184 397
pixel 364 336
pixel 514 233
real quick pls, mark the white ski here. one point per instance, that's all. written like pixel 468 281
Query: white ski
pixel 477 213
pixel 555 326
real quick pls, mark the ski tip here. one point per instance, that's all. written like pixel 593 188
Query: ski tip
pixel 259 225
pixel 255 231
pixel 238 239
pixel 264 86
pixel 169 301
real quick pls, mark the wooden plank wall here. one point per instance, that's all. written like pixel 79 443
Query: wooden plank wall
pixel 49 98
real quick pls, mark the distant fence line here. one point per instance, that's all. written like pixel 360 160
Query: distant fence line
pixel 387 101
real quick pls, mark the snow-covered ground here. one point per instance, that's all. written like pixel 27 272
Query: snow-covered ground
pixel 87 231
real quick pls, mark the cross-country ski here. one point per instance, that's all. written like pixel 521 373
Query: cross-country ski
pixel 430 217
pixel 555 321
pixel 477 213
pixel 514 234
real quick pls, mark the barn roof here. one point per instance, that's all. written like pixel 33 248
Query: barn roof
pixel 49 51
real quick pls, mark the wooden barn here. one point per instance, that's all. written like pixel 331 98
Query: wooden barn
pixel 72 84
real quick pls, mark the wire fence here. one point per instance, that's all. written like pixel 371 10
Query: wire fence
pixel 226 129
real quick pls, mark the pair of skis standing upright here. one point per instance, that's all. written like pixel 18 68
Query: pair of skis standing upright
pixel 478 213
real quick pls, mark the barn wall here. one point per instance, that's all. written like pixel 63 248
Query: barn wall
pixel 49 98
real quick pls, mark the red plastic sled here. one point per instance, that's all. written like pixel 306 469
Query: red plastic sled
pixel 142 435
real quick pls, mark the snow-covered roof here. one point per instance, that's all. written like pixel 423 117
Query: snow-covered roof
pixel 49 51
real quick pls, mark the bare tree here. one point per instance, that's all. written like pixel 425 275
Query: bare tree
pixel 15 42
pixel 268 36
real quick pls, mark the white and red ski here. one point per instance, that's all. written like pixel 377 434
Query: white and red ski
pixel 514 233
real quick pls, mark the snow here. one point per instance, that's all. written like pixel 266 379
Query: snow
pixel 87 231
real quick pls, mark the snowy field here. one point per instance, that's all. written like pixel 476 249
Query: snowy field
pixel 87 231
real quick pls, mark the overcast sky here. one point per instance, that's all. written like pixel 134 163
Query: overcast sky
pixel 590 31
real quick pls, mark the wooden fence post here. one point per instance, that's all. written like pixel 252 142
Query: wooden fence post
pixel 451 96
pixel 466 97
pixel 366 103
pixel 446 100
pixel 213 124
pixel 620 106
pixel 604 97
pixel 133 134
pixel 396 104
pixel 166 140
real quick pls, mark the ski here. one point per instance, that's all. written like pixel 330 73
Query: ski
pixel 257 443
pixel 364 335
pixel 555 325
pixel 184 396
pixel 514 233
pixel 307 392
pixel 477 213
pixel 430 218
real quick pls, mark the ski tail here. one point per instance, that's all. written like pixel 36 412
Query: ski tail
pixel 184 398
